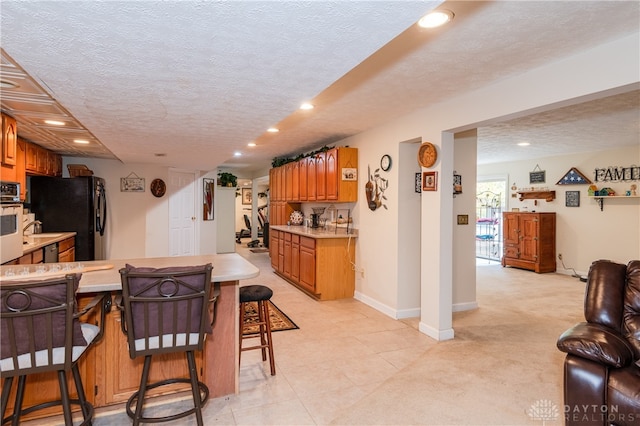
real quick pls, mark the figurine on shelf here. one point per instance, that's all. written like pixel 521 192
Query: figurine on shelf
pixel 634 189
pixel 592 190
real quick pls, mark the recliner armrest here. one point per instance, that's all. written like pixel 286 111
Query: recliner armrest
pixel 596 343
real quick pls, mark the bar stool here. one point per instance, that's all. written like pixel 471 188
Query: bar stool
pixel 261 295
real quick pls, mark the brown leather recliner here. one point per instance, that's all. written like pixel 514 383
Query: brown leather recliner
pixel 602 367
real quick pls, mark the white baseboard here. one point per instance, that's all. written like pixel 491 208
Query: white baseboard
pixel 436 334
pixel 460 307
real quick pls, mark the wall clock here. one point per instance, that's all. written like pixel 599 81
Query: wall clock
pixel 385 162
pixel 427 154
pixel 158 187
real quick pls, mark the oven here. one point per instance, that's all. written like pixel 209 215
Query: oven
pixel 10 221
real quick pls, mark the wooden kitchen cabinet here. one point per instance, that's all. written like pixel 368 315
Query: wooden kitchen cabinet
pixel 41 161
pixel 67 250
pixel 302 180
pixel 286 269
pixel 274 246
pixel 308 264
pixel 9 140
pixel 321 176
pixel 338 187
pixel 295 257
pixel 529 241
pixel 31 258
pixel 118 376
pixel 311 179
pixel 319 266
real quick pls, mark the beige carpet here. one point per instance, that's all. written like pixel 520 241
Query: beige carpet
pixel 502 362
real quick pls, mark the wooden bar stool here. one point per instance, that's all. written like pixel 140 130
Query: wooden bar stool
pixel 261 295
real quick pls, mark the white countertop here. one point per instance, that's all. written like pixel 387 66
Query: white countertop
pixel 316 232
pixel 38 241
pixel 226 267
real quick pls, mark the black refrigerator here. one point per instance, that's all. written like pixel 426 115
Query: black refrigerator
pixel 76 204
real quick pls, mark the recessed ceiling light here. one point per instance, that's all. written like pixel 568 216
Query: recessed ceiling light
pixel 435 19
pixel 81 141
pixel 523 144
pixel 251 144
pixel 237 154
pixel 306 106
pixel 273 130
pixel 55 122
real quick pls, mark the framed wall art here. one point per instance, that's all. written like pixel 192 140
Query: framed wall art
pixel 572 199
pixel 418 183
pixel 132 183
pixel 209 186
pixel 430 181
pixel 246 196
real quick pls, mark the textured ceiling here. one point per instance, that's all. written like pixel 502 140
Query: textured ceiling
pixel 199 80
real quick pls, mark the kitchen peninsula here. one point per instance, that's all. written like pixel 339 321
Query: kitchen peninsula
pixel 317 261
pixel 108 368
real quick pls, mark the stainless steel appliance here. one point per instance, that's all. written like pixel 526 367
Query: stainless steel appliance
pixel 76 204
pixel 51 253
pixel 10 221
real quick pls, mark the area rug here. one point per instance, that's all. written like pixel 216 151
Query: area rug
pixel 279 320
pixel 259 250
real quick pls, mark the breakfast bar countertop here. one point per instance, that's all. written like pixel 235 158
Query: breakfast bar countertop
pixel 226 267
pixel 316 232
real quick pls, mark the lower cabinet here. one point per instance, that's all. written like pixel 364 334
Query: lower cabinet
pixel 117 376
pixel 319 266
pixel 67 250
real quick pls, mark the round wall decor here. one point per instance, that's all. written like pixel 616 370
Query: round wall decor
pixel 427 154
pixel 158 187
pixel 385 162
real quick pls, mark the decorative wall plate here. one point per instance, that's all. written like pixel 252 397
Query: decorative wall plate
pixel 158 187
pixel 427 154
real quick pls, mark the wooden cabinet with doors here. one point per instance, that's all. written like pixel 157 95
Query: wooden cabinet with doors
pixel 67 250
pixel 308 264
pixel 530 241
pixel 341 187
pixel 118 376
pixel 321 176
pixel 302 180
pixel 9 140
pixel 319 266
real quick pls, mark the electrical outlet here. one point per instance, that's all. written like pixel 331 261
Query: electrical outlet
pixel 560 256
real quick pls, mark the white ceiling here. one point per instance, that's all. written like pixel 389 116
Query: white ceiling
pixel 199 80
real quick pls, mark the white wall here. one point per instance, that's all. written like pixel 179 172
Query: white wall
pixel 598 72
pixel 464 236
pixel 138 222
pixel 612 67
pixel 583 234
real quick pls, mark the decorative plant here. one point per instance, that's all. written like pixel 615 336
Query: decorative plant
pixel 227 179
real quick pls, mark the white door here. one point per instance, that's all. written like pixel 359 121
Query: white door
pixel 182 213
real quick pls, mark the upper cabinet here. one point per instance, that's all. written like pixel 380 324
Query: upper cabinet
pixel 326 176
pixel 20 157
pixel 9 140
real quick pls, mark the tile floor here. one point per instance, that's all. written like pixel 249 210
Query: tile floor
pixel 343 356
pixel 342 351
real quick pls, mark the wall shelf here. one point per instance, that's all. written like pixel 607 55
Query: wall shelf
pixel 537 195
pixel 600 199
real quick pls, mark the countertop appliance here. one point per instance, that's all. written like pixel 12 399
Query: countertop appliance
pixel 10 221
pixel 76 204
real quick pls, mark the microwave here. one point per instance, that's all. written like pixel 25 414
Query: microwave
pixel 9 192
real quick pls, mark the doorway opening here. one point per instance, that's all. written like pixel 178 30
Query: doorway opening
pixel 490 203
